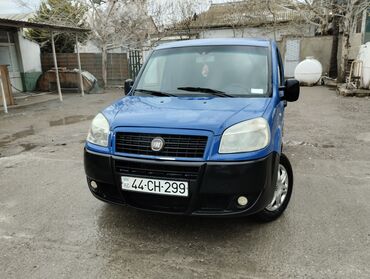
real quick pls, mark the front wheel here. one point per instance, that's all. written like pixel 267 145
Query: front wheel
pixel 282 194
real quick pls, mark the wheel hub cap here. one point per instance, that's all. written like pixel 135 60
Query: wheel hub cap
pixel 281 189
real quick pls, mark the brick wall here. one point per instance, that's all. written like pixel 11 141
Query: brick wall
pixel 117 69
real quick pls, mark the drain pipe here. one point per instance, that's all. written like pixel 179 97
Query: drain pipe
pixel 3 94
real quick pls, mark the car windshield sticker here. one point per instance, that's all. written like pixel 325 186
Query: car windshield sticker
pixel 256 91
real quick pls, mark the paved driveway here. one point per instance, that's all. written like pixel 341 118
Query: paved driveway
pixel 52 227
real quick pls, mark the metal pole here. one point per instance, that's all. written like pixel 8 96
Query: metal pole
pixel 3 94
pixel 56 67
pixel 79 67
pixel 10 53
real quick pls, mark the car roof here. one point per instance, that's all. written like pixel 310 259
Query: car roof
pixel 215 42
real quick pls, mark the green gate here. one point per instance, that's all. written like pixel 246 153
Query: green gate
pixel 135 62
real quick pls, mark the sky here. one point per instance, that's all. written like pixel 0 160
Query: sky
pixel 14 6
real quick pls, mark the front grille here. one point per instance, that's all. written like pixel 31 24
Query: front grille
pixel 159 171
pixel 181 146
pixel 170 172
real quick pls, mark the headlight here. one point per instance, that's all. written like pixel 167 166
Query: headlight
pixel 250 135
pixel 99 131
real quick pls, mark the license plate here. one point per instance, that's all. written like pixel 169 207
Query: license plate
pixel 155 186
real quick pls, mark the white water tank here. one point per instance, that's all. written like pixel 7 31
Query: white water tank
pixel 364 56
pixel 309 71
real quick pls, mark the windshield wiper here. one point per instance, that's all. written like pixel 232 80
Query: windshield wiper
pixel 206 90
pixel 155 93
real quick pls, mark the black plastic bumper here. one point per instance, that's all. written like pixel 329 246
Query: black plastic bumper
pixel 213 186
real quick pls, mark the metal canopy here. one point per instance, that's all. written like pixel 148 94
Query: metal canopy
pixel 10 23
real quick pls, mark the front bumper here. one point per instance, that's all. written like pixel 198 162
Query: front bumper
pixel 213 186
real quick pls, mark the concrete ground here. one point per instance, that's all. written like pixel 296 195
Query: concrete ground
pixel 52 227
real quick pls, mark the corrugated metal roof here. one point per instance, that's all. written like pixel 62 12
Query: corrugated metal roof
pixel 18 16
pixel 11 23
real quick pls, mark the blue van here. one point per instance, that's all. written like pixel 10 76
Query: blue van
pixel 199 132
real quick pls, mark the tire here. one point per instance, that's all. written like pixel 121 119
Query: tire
pixel 274 210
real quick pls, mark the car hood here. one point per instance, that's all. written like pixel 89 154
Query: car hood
pixel 200 113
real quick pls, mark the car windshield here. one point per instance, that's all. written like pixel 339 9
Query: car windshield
pixel 224 71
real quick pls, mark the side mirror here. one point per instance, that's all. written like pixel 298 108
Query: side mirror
pixel 291 92
pixel 128 85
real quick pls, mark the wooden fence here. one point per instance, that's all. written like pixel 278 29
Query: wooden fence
pixel 117 65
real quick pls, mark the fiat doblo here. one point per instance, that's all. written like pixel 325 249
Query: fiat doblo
pixel 199 132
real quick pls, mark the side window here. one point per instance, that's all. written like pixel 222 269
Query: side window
pixel 280 69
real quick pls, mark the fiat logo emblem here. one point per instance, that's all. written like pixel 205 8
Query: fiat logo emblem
pixel 157 144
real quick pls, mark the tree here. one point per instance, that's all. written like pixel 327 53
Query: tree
pixel 348 13
pixel 58 12
pixel 188 11
pixel 334 17
pixel 194 16
pixel 177 17
pixel 117 23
